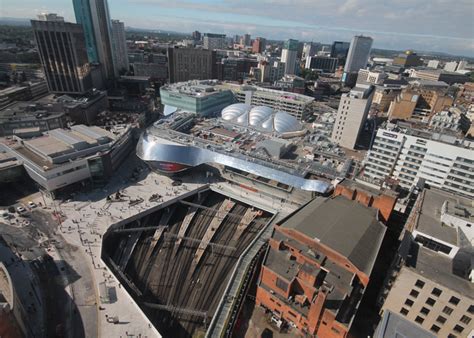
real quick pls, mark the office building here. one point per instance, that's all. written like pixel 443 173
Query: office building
pixel 310 49
pixel 62 157
pixel 191 64
pixel 357 57
pixel 119 44
pixel 201 97
pixel 246 40
pixel 339 49
pixel 62 51
pixel 30 118
pixel 214 41
pixel 322 63
pixel 271 71
pixel 235 69
pixel 395 325
pixel 366 76
pixel 440 75
pixel 411 156
pixel 450 66
pixel 312 277
pixel 197 36
pixel 419 101
pixel 407 59
pixel 429 284
pixel 433 64
pixel 289 55
pixel 351 116
pixel 258 45
pixel 94 17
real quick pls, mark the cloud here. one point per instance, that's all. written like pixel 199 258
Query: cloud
pixel 417 24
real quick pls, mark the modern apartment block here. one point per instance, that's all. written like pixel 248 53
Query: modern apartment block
pixel 412 156
pixel 191 64
pixel 119 44
pixel 62 51
pixel 318 266
pixel 214 41
pixel 431 283
pixel 351 116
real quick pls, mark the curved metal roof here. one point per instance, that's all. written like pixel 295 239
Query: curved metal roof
pixel 234 110
pixel 262 118
pixel 258 114
pixel 285 123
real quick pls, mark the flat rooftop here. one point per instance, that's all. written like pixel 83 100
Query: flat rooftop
pixel 27 110
pixel 343 225
pixel 429 219
pixel 194 88
pixel 437 268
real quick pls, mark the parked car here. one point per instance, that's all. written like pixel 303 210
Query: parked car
pixel 32 204
pixel 20 209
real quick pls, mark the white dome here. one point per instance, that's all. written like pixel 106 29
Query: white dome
pixel 259 114
pixel 285 123
pixel 243 119
pixel 234 110
pixel 267 125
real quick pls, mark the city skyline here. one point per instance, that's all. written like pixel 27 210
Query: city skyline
pixel 393 26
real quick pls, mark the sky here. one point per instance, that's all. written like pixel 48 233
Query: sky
pixel 423 25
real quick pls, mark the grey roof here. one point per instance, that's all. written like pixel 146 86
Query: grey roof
pixel 394 326
pixel 437 268
pixel 429 221
pixel 345 226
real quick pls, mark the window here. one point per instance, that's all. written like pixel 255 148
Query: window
pixel 454 300
pixel 471 309
pixel 414 293
pixel 419 320
pixel 451 336
pixel 447 310
pixel 404 311
pixel 430 301
pixel 424 310
pixel 420 284
pixel 409 302
pixel 458 328
pixel 435 328
pixel 441 319
pixel 465 319
pixel 437 292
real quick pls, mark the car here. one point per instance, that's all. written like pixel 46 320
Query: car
pixel 32 204
pixel 20 209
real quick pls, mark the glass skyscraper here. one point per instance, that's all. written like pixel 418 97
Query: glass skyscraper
pixel 82 11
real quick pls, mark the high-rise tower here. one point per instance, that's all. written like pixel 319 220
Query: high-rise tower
pixel 62 50
pixel 357 57
pixel 94 16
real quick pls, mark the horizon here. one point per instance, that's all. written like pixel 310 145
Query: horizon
pixel 393 27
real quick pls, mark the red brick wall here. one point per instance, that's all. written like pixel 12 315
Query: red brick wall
pixel 383 203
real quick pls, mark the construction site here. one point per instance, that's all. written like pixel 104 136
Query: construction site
pixel 177 259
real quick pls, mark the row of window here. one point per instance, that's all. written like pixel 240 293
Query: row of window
pixel 435 328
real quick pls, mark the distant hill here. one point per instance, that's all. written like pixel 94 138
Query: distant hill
pixel 15 21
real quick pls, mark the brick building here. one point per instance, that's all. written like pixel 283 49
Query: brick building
pixel 319 262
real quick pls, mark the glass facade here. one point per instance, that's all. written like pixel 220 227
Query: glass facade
pixel 82 11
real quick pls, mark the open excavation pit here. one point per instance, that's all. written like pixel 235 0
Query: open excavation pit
pixel 176 259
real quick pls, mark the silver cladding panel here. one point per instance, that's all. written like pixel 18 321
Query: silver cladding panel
pixel 152 148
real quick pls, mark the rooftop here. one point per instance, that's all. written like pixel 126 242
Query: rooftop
pixel 26 110
pixel 194 88
pixel 437 268
pixel 343 225
pixel 429 219
pixel 394 325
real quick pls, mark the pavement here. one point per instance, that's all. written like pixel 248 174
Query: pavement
pixel 78 239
